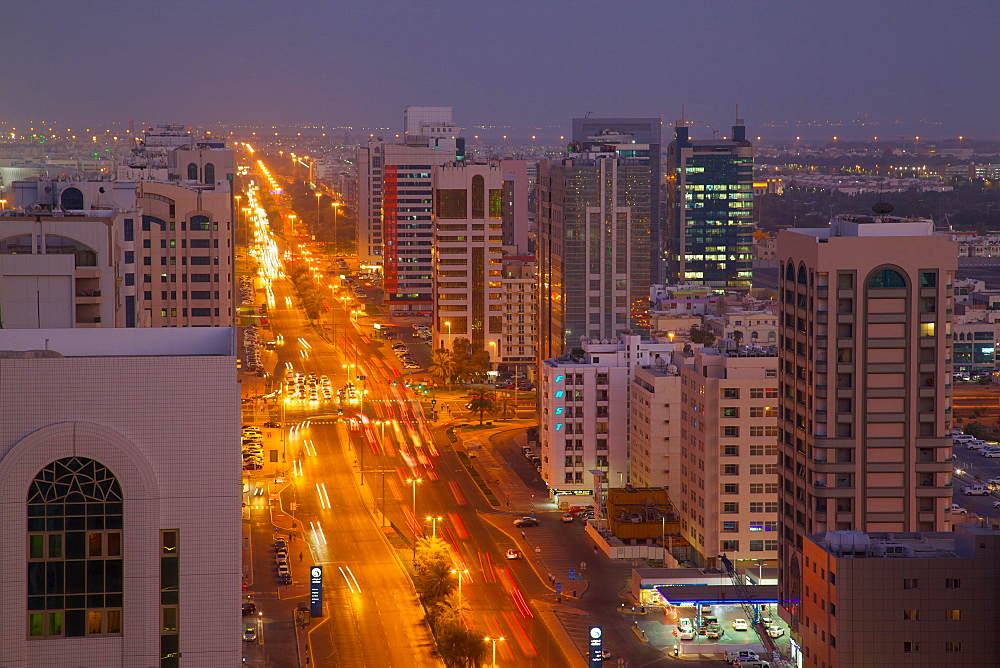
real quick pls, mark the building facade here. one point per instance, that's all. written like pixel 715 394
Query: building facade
pixel 711 209
pixel 468 235
pixel 725 485
pixel 165 246
pixel 594 215
pixel 642 139
pixel 901 599
pixel 654 424
pixel 585 410
pixel 518 345
pixel 123 522
pixel 865 348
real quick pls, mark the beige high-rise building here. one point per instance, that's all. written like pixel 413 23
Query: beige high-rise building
pixel 725 484
pixel 865 346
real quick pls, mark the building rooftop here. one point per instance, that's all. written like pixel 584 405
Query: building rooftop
pixel 120 342
pixel 913 545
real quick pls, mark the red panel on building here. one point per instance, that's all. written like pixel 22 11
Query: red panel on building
pixel 390 228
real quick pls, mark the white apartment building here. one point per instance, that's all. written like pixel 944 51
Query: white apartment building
pixel 120 498
pixel 163 253
pixel 655 424
pixel 725 484
pixel 585 413
pixel 520 309
pixel 754 327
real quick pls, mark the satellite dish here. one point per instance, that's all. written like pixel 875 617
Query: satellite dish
pixel 883 208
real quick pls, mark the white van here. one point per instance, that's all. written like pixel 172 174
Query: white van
pixel 962 438
pixel 753 664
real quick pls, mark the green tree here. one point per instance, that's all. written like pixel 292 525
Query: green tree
pixel 482 399
pixel 505 407
pixel 442 366
pixel 434 580
pixel 738 337
pixel 461 647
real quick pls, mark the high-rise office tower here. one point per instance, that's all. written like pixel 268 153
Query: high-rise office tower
pixel 395 204
pixel 865 354
pixel 469 219
pixel 595 210
pixel 711 209
pixel 642 139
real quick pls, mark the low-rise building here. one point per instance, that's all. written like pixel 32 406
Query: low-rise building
pixel 585 408
pixel 897 599
pixel 655 424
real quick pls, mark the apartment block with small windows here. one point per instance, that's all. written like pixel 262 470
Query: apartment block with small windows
pixel 520 308
pixel 725 482
pixel 654 424
pixel 585 411
pixel 468 237
pixel 865 346
pixel 901 599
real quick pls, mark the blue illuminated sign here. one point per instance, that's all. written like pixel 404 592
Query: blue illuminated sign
pixel 316 591
pixel 559 394
pixel 559 379
pixel 595 646
pixel 559 411
pixel 559 427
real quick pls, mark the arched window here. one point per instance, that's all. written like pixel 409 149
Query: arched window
pixel 478 197
pixel 200 222
pixel 886 278
pixel 71 200
pixel 802 275
pixel 209 173
pixel 84 255
pixel 790 271
pixel 16 245
pixel 74 551
pixel 192 172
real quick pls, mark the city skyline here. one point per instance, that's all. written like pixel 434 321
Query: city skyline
pixel 850 69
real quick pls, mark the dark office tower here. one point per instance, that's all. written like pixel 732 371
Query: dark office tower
pixel 639 138
pixel 711 209
pixel 594 215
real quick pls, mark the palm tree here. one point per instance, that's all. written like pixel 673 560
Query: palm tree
pixel 738 336
pixel 435 581
pixel 481 400
pixel 505 407
pixel 442 366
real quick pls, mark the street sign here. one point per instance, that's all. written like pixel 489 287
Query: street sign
pixel 559 587
pixel 595 645
pixel 572 574
pixel 316 591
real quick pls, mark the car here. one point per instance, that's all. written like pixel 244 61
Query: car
pixel 513 554
pixel 990 452
pixel 526 522
pixel 738 656
pixel 280 544
pixel 250 634
pixel 567 517
pixel 280 555
pixel 249 609
pixel 955 508
pixel 273 425
pixel 996 504
pixel 741 624
pixel 252 466
pixel 714 631
pixel 283 568
pixel 975 490
pixel 993 481
pixel 686 632
pixel 775 631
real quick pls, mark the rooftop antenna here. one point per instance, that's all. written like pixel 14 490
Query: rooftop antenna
pixel 588 114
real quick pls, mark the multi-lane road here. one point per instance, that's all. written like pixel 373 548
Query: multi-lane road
pixel 372 616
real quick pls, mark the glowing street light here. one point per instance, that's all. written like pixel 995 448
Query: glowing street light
pixel 460 573
pixel 434 525
pixel 493 663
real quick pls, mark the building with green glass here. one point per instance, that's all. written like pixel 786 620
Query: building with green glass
pixel 710 192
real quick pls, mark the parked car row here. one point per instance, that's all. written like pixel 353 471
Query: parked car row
pixel 253 448
pixel 252 345
pixel 404 356
pixel 281 561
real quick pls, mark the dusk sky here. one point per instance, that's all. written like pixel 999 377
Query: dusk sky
pixel 915 67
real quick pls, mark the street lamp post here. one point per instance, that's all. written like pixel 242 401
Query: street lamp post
pixel 413 482
pixel 319 196
pixel 448 325
pixel 336 238
pixel 460 573
pixel 434 525
pixel 237 212
pixel 493 663
pixel 382 424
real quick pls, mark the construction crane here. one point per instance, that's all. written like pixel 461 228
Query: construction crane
pixel 753 614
